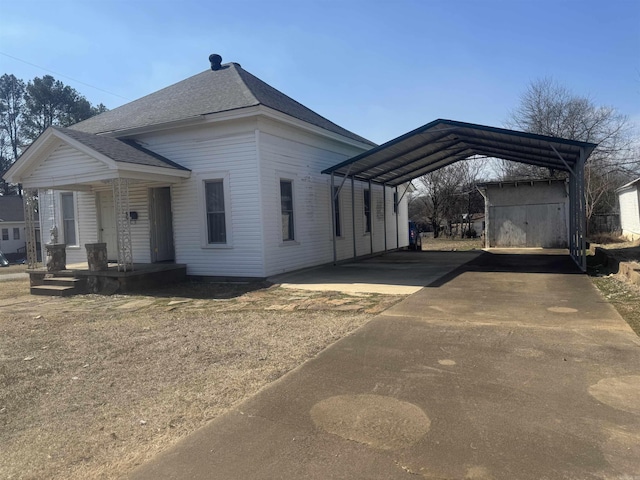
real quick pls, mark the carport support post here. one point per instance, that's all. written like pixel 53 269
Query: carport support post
pixel 371 217
pixel 332 195
pixel 396 207
pixel 583 211
pixel 572 215
pixel 353 216
pixel 384 214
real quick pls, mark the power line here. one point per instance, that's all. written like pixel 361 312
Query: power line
pixel 64 76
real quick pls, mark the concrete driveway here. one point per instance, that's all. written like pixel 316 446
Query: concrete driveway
pixel 397 273
pixel 508 367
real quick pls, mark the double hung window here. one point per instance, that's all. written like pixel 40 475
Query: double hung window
pixel 216 216
pixel 68 218
pixel 286 207
pixel 367 210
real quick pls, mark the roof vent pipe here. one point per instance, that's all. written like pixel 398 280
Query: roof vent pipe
pixel 216 61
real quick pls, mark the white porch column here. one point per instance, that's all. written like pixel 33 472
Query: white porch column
pixel 123 223
pixel 30 196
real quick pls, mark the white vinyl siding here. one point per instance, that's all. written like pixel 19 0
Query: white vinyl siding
pixel 88 223
pixel 232 157
pixel 251 161
pixel 68 162
pixel 629 212
pixel 302 162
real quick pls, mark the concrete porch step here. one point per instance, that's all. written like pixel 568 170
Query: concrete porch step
pixel 60 284
pixel 64 281
pixel 53 290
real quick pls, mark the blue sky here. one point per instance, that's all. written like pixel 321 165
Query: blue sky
pixel 378 68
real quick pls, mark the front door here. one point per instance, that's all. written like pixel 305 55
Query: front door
pixel 162 249
pixel 108 233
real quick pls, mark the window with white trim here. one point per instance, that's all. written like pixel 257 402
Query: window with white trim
pixel 366 202
pixel 5 234
pixel 286 208
pixel 68 218
pixel 336 211
pixel 16 233
pixel 215 212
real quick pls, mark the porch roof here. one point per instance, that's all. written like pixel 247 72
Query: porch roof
pixel 88 159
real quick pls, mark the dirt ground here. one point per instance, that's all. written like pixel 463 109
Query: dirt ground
pixel 447 244
pixel 622 294
pixel 91 386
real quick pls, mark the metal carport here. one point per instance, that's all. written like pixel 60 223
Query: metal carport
pixel 444 142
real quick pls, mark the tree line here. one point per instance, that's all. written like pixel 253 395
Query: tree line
pixel 545 108
pixel 28 108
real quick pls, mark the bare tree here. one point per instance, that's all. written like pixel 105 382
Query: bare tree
pixel 547 108
pixel 444 195
pixel 11 116
pixel 26 110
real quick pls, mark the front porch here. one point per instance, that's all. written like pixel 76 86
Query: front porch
pixel 111 197
pixel 78 278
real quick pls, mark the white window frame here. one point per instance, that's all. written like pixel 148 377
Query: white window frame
pixel 5 233
pixel 16 233
pixel 294 240
pixel 366 228
pixel 340 211
pixel 202 179
pixel 61 229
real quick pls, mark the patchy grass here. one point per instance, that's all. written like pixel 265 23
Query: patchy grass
pixel 13 289
pixel 91 386
pixel 13 269
pixel 447 244
pixel 623 296
pixel 605 238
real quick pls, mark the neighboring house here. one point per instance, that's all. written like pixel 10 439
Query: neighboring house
pixel 220 172
pixel 527 213
pixel 12 233
pixel 629 210
pixel 13 236
pixel 460 229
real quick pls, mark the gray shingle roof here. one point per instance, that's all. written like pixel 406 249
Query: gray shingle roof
pixel 11 209
pixel 229 88
pixel 125 151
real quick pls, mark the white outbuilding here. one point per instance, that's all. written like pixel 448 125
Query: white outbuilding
pixel 527 213
pixel 629 209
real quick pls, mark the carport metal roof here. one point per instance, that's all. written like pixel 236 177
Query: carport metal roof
pixel 443 142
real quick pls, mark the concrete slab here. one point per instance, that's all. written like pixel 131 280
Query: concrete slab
pixel 398 273
pixel 508 367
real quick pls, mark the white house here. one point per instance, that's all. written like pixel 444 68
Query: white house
pixel 220 172
pixel 629 209
pixel 527 213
